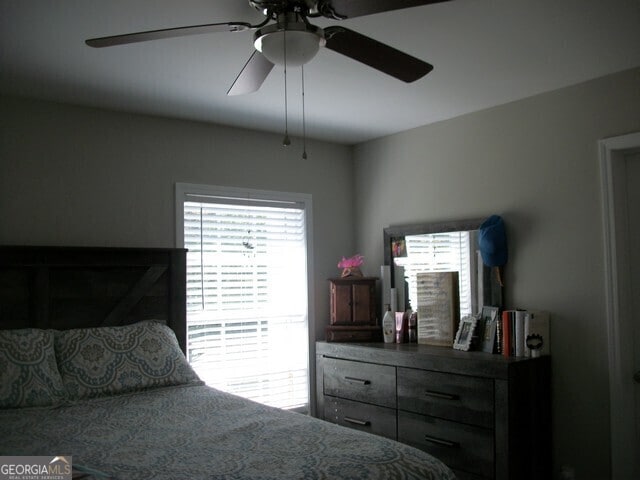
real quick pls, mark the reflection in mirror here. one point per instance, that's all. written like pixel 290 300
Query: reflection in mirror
pixel 411 250
pixel 439 252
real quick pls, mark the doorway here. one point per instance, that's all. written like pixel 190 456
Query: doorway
pixel 620 169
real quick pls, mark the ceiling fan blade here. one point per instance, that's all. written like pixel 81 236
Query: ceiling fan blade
pixel 342 9
pixel 375 54
pixel 166 33
pixel 252 75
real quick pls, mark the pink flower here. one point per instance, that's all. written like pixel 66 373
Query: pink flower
pixel 351 262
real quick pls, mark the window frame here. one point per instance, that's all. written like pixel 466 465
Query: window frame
pixel 190 191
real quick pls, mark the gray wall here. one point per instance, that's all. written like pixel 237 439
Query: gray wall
pixel 535 162
pixel 76 176
pixel 81 176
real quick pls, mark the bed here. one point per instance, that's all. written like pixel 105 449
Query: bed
pixel 92 366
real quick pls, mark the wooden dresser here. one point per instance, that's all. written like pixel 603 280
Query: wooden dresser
pixel 484 415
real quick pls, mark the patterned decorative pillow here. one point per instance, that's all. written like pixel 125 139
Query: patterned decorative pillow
pixel 29 375
pixel 110 360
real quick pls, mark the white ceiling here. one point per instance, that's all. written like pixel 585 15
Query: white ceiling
pixel 485 53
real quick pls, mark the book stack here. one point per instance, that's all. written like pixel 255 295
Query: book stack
pixel 524 333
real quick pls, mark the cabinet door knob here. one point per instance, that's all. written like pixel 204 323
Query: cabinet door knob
pixel 636 377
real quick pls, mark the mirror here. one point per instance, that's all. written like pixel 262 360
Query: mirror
pixel 410 250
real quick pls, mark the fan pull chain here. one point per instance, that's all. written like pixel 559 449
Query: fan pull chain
pixel 304 127
pixel 285 141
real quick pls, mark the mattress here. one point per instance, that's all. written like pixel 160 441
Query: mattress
pixel 197 432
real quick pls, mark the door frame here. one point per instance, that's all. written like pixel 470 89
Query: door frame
pixel 619 325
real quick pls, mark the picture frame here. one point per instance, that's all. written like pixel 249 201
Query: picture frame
pixel 438 308
pixel 398 247
pixel 464 335
pixel 489 322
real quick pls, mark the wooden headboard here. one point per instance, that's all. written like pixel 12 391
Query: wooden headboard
pixel 78 287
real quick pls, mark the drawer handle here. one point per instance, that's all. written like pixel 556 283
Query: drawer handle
pixel 364 423
pixel 445 396
pixel 440 441
pixel 357 380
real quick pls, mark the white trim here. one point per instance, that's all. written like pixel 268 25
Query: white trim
pixel 620 342
pixel 185 190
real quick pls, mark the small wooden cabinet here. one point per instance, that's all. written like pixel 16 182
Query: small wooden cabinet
pixel 484 415
pixel 353 301
pixel 353 310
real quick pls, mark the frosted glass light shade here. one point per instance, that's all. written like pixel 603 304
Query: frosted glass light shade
pixel 302 46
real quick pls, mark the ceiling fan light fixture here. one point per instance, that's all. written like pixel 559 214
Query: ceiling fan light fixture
pixel 303 43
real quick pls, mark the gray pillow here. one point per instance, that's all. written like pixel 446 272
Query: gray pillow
pixel 102 361
pixel 29 375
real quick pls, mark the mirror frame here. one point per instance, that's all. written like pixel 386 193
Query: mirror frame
pixel 398 231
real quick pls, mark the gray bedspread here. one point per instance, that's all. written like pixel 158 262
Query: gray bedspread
pixel 196 432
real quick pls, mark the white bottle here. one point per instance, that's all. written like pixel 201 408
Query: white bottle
pixel 388 326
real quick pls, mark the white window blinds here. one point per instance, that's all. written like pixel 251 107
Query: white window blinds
pixel 440 252
pixel 247 298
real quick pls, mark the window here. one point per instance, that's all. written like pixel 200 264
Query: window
pixel 247 295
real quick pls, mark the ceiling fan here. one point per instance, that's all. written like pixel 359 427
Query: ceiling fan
pixel 286 37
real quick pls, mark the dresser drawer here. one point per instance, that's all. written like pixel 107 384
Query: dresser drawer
pixel 361 416
pixel 444 395
pixel 462 447
pixel 360 381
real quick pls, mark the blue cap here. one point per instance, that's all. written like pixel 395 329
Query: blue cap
pixel 492 240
